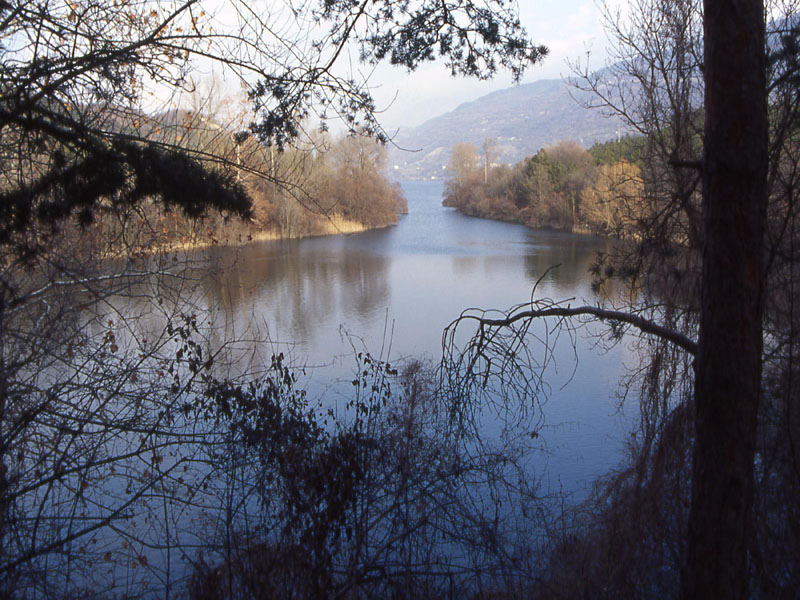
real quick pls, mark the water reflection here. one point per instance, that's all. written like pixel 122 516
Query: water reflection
pixel 402 285
pixel 296 291
pixel 564 259
pixel 399 288
pixel 417 276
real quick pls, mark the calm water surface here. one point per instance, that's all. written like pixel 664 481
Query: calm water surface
pixel 393 291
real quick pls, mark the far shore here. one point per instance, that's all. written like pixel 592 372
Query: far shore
pixel 334 225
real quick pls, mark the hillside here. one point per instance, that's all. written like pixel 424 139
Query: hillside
pixel 521 119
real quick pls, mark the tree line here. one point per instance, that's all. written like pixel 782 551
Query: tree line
pixel 562 186
pixel 333 185
pixel 325 186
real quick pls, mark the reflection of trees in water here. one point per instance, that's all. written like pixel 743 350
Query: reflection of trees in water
pixel 573 255
pixel 271 296
pixel 292 291
pixel 254 301
pixel 364 283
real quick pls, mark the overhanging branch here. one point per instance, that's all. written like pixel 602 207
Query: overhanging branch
pixel 642 324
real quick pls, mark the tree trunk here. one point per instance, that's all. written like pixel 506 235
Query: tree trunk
pixel 728 364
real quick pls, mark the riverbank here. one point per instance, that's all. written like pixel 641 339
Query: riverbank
pixel 563 187
pixel 242 236
pixel 333 225
pixel 518 220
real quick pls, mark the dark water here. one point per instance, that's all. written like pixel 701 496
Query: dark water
pixel 393 291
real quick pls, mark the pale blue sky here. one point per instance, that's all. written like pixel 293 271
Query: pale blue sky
pixel 570 28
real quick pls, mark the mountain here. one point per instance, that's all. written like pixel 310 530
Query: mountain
pixel 520 119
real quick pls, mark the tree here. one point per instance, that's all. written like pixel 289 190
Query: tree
pixel 573 170
pixel 97 151
pixel 655 84
pixel 463 168
pixel 728 369
pixel 463 161
pixel 728 122
pixel 613 203
pixel 356 186
pixel 730 339
pixel 489 146
pixel 665 63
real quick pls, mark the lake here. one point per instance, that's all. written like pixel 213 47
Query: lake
pixel 190 492
pixel 393 291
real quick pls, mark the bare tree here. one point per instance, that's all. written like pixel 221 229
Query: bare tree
pixel 654 83
pixel 614 202
pixel 463 161
pixel 489 146
pixel 102 349
pixel 398 499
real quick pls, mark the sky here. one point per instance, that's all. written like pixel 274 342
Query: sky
pixel 569 28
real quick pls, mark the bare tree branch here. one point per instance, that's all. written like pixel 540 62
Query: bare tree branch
pixel 604 314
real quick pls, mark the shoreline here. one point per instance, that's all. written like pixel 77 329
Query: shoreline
pixel 576 231
pixel 335 225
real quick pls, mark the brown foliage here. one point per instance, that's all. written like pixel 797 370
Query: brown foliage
pixel 560 187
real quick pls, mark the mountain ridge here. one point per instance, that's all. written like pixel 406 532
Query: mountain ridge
pixel 520 119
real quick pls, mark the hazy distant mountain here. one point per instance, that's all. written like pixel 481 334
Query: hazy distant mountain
pixel 521 119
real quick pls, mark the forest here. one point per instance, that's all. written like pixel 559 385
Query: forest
pixel 139 458
pixel 325 186
pixel 328 185
pixel 560 187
